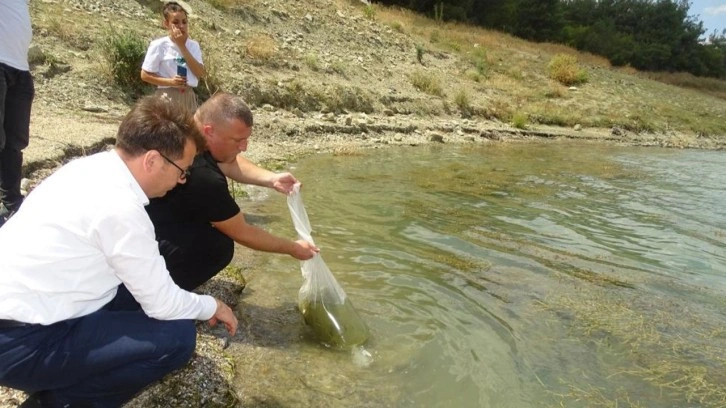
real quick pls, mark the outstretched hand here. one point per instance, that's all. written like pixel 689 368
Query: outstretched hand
pixel 283 182
pixel 304 250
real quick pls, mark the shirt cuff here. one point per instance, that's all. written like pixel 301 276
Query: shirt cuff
pixel 209 307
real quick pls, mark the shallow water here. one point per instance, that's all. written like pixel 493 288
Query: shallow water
pixel 513 275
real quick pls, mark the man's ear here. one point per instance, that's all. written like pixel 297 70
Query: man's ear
pixel 207 130
pixel 150 159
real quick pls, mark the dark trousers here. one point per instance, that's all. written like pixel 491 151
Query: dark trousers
pixel 16 98
pixel 194 253
pixel 99 360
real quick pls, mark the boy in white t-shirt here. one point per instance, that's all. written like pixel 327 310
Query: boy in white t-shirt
pixel 174 63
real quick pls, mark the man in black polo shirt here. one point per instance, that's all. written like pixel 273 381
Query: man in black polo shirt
pixel 198 222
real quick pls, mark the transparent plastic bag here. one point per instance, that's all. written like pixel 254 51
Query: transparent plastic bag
pixel 322 301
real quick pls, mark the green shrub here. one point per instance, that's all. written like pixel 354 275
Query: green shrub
pixel 426 83
pixel 463 102
pixel 338 67
pixel 125 53
pixel 420 50
pixel 473 75
pixel 480 62
pixel 312 61
pixel 565 69
pixel 369 12
pixel 396 25
pixel 520 120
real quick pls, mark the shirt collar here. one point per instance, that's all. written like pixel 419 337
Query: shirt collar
pixel 135 187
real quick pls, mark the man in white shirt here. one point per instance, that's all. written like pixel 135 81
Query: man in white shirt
pixel 88 312
pixel 16 97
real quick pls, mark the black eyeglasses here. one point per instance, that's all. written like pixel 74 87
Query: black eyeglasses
pixel 183 174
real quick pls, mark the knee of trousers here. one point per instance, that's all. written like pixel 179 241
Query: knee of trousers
pixel 181 341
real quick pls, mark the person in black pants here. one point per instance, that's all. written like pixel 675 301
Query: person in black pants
pixel 197 223
pixel 16 97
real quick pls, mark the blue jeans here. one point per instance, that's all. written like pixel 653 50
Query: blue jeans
pixel 99 360
pixel 16 97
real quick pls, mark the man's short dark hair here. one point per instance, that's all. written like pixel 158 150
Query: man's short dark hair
pixel 224 107
pixel 155 123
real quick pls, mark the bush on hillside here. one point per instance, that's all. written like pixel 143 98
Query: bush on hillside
pixel 125 53
pixel 565 70
pixel 427 83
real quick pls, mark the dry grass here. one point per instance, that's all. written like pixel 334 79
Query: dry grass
pixel 463 102
pixel 261 47
pixel 61 29
pixel 584 57
pixel 426 82
pixel 222 4
pixel 711 86
pixel 312 61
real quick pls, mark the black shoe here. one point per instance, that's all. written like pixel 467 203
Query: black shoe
pixel 5 214
pixel 31 402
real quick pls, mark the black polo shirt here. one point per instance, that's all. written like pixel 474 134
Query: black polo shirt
pixel 203 199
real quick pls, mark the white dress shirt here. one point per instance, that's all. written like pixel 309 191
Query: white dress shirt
pixel 77 236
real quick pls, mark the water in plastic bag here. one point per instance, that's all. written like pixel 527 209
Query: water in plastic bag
pixel 322 301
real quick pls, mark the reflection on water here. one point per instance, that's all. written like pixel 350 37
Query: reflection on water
pixel 530 275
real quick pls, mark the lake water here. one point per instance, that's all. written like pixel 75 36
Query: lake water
pixel 508 275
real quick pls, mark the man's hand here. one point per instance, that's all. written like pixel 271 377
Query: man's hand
pixel 283 182
pixel 225 315
pixel 304 250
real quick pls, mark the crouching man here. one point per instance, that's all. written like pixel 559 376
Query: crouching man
pixel 89 315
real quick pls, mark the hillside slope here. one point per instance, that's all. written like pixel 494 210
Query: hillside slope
pixel 343 69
